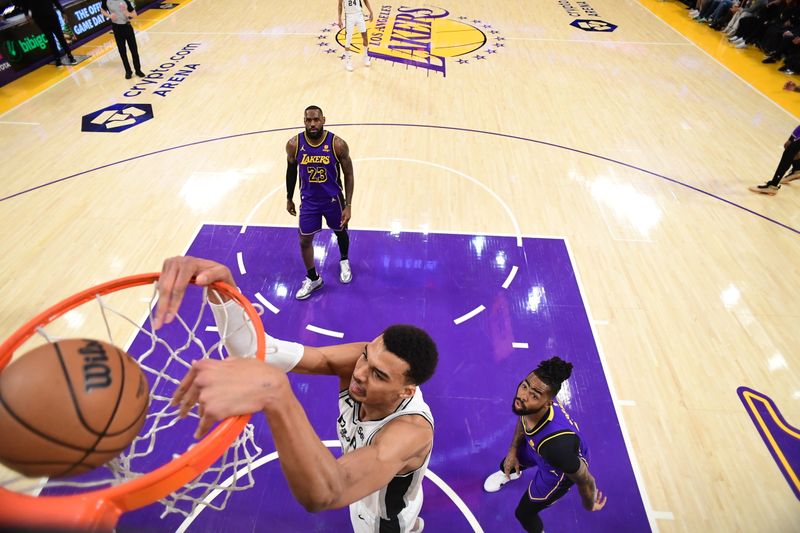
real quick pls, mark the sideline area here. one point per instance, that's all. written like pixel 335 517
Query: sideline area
pixel 745 63
pixel 44 77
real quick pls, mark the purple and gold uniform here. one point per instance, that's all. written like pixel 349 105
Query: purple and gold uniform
pixel 556 429
pixel 321 193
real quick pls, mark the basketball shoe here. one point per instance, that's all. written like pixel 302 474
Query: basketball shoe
pixel 348 65
pixel 498 479
pixel 367 61
pixel 308 287
pixel 345 274
pixel 766 188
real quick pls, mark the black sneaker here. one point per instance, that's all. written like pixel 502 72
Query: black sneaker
pixel 766 188
pixel 128 75
pixel 71 59
pixel 140 73
pixel 769 59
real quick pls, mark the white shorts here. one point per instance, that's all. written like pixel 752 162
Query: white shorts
pixel 354 19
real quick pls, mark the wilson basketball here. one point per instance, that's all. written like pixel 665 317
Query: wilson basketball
pixel 69 406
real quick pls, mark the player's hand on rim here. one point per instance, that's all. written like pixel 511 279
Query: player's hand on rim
pixel 176 275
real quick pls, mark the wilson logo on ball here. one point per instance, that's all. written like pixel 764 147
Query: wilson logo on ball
pixel 96 372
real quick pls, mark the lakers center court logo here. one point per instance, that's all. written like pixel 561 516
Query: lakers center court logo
pixel 426 38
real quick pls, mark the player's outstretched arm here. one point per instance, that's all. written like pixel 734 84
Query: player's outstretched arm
pixel 591 498
pixel 338 360
pixel 176 274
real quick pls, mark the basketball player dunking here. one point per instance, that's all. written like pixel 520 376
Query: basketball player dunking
pixel 354 17
pixel 384 425
pixel 319 154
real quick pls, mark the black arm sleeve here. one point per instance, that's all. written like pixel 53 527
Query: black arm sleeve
pixel 291 179
pixel 562 452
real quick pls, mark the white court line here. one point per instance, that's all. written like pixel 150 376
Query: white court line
pixel 266 303
pixel 261 33
pixel 637 472
pixel 464 318
pixel 9 123
pixel 626 403
pixel 240 261
pixel 456 499
pixel 590 41
pixel 519 344
pixel 468 177
pixel 323 331
pixel 212 328
pixel 511 276
pixel 476 527
pixel 663 515
pixel 258 205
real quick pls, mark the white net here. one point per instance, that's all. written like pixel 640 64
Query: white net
pixel 165 356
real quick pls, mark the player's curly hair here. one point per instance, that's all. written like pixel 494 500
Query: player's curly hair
pixel 414 346
pixel 553 372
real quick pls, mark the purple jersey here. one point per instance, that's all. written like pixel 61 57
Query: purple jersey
pixel 547 478
pixel 319 170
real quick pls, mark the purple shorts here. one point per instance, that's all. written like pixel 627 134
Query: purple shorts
pixel 312 211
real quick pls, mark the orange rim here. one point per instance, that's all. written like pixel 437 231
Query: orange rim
pixel 99 510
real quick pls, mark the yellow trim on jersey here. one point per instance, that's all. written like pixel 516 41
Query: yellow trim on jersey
pixel 324 137
pixel 333 148
pixel 553 436
pixel 537 427
pixel 549 493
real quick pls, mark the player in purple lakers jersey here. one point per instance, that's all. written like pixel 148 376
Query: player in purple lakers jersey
pixel 547 441
pixel 322 158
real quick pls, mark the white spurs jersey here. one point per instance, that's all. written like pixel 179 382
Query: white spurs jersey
pixel 352 7
pixel 395 507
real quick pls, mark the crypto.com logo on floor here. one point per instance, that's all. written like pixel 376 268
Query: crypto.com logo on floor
pixel 117 117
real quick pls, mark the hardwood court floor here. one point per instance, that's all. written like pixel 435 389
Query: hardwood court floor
pixel 635 146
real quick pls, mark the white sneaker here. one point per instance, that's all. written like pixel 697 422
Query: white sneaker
pixel 367 62
pixel 349 66
pixel 741 44
pixel 345 274
pixel 308 287
pixel 498 479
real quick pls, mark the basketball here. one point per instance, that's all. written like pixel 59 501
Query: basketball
pixel 69 407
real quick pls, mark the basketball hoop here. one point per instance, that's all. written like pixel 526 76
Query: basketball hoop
pixel 102 501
